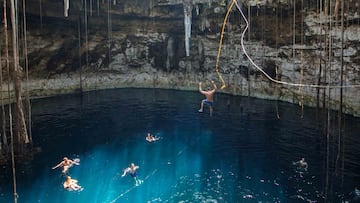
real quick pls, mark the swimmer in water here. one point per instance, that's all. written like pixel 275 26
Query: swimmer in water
pixel 132 171
pixel 301 164
pixel 66 164
pixel 71 184
pixel 151 138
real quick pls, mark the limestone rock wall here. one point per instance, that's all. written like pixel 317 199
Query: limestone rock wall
pixel 142 44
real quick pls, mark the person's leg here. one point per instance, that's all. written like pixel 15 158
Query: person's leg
pixel 65 169
pixel 76 187
pixel 211 110
pixel 137 181
pixel 201 106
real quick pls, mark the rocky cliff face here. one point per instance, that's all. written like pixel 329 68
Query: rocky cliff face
pixel 174 44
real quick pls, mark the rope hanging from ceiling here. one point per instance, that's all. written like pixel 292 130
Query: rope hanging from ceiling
pixel 235 3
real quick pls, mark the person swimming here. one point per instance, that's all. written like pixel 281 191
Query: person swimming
pixel 151 138
pixel 71 184
pixel 66 164
pixel 132 171
pixel 301 164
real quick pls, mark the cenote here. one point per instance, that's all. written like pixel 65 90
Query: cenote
pixel 242 153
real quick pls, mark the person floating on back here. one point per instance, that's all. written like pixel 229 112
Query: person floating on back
pixel 132 171
pixel 209 94
pixel 66 164
pixel 151 138
pixel 71 184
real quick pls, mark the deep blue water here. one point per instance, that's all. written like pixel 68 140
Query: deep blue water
pixel 243 153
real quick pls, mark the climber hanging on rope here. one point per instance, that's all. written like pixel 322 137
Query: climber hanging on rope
pixel 209 94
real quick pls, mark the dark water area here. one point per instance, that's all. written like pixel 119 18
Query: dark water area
pixel 243 153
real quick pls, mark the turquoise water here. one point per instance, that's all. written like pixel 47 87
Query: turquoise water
pixel 243 153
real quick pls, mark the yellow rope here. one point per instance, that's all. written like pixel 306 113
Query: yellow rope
pixel 223 86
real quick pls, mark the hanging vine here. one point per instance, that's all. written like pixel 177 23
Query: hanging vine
pixel 7 64
pixel 21 131
pixel 28 103
pixel 301 102
pixel 277 90
pixel 3 141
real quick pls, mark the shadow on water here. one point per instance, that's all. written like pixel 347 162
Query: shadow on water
pixel 243 153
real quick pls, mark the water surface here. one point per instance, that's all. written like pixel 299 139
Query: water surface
pixel 243 153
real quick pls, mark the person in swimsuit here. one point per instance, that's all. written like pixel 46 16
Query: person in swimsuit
pixel 301 164
pixel 209 94
pixel 66 164
pixel 151 138
pixel 71 184
pixel 132 171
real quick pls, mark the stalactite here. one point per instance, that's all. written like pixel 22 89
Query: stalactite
pixel 187 24
pixel 66 8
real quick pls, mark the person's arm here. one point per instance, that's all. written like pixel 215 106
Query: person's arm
pixel 215 87
pixel 200 88
pixel 60 164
